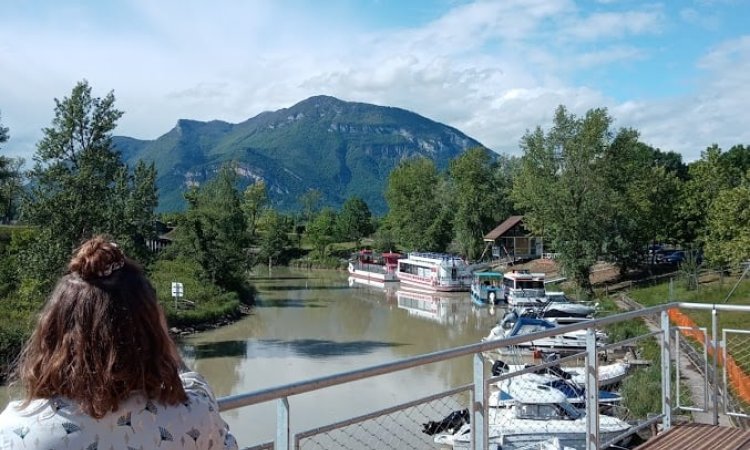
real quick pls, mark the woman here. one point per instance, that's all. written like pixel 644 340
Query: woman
pixel 100 370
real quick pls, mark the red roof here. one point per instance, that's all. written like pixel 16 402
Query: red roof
pixel 503 228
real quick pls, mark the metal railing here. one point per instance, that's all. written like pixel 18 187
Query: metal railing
pixel 376 429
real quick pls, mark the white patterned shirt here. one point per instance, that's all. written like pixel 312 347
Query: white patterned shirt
pixel 139 424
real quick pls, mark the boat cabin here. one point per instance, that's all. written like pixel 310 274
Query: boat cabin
pixel 524 288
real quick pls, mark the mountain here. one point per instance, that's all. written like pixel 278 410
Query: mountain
pixel 340 148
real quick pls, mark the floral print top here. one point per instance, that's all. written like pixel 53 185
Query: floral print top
pixel 139 424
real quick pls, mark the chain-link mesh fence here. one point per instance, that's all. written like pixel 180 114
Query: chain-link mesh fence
pixel 530 401
pixel 412 425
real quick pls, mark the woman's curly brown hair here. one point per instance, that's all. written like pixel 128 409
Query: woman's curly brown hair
pixel 101 337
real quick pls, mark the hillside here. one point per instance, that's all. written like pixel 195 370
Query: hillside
pixel 340 148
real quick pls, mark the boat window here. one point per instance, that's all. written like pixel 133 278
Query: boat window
pixel 539 412
pixel 569 411
pixel 530 284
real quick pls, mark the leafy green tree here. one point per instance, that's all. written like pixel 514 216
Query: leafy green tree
pixel 477 198
pixel 728 238
pixel 707 178
pixel 354 221
pixel 10 179
pixel 254 200
pixel 563 190
pixel 310 202
pixel 80 187
pixel 213 231
pixel 275 240
pixel 321 231
pixel 416 216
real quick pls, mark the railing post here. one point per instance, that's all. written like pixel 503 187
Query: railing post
pixel 592 392
pixel 282 424
pixel 715 376
pixel 479 415
pixel 666 378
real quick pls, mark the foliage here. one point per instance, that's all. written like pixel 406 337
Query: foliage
pixel 310 203
pixel 254 200
pixel 478 200
pixel 213 231
pixel 415 214
pixel 707 178
pixel 643 195
pixel 728 237
pixel 275 240
pixel 80 187
pixel 320 232
pixel 209 303
pixel 354 221
pixel 10 179
pixel 562 188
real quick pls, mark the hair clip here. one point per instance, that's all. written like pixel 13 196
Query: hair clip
pixel 111 268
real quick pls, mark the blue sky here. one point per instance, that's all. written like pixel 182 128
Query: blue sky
pixel 678 71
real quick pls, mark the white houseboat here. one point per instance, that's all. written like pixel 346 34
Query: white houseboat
pixel 374 267
pixel 434 272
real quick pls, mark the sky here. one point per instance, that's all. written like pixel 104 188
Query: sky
pixel 676 70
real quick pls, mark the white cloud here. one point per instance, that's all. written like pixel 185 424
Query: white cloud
pixel 490 68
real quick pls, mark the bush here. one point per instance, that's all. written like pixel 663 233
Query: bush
pixel 210 303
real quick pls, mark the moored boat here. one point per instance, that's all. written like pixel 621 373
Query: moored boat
pixel 524 288
pixel 487 288
pixel 376 267
pixel 439 272
pixel 535 416
pixel 564 342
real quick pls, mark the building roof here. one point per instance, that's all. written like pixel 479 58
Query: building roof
pixel 503 228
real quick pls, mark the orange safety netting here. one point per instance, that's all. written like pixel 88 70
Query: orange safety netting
pixel 738 379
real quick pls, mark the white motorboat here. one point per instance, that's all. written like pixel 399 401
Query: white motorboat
pixel 565 342
pixel 607 374
pixel 535 416
pixel 575 394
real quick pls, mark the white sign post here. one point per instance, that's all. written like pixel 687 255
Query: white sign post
pixel 177 292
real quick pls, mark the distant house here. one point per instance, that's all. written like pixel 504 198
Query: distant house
pixel 513 241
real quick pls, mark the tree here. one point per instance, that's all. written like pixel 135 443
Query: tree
pixel 275 240
pixel 728 237
pixel 213 231
pixel 707 178
pixel 310 202
pixel 80 186
pixel 562 188
pixel 10 179
pixel 254 199
pixel 477 197
pixel 321 230
pixel 354 221
pixel 416 216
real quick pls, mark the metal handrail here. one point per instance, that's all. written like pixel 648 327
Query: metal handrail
pixel 264 395
pixel 479 395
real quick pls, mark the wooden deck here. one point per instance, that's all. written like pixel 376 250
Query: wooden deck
pixel 699 437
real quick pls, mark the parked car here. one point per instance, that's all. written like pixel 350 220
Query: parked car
pixel 662 254
pixel 679 256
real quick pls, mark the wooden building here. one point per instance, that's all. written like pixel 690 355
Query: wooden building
pixel 511 240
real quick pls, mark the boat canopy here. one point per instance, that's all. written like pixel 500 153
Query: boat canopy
pixel 526 325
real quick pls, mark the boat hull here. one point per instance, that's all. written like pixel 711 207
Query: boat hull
pixel 363 272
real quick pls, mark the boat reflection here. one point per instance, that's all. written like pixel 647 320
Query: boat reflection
pixel 450 309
